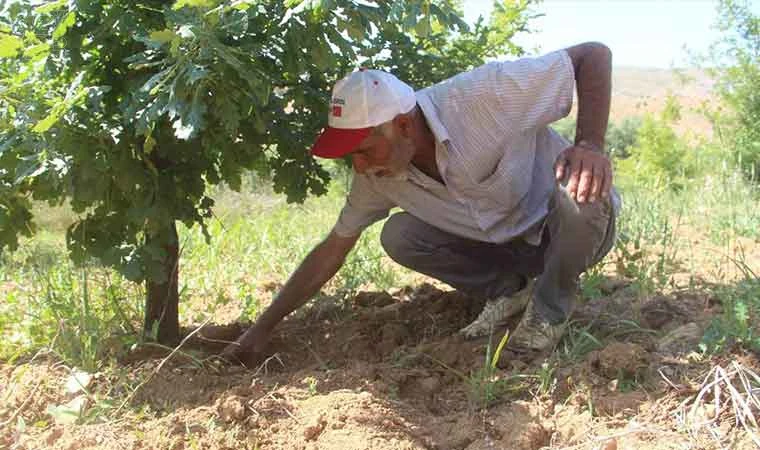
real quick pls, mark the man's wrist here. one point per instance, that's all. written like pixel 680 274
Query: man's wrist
pixel 588 145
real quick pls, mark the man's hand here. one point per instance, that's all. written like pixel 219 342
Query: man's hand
pixel 319 266
pixel 249 349
pixel 588 172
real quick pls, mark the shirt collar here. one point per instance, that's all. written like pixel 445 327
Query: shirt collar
pixel 431 115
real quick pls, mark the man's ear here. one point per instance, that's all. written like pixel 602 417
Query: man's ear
pixel 403 124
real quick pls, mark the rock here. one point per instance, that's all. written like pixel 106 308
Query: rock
pixel 619 359
pixel 78 381
pixel 681 340
pixel 232 409
pixel 68 413
pixel 610 444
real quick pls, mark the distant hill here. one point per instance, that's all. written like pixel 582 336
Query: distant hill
pixel 636 91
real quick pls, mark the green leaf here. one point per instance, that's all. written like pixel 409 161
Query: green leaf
pixel 423 27
pixel 9 45
pixel 54 116
pixel 322 55
pixel 163 36
pixel 149 144
pixel 49 7
pixel 37 52
pixel 202 4
pixel 67 22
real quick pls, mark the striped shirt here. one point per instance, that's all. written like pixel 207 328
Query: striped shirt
pixel 494 151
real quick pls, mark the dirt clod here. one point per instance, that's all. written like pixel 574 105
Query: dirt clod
pixel 619 359
pixel 611 404
pixel 232 409
pixel 429 385
pixel 313 431
pixel 682 339
pixel 376 299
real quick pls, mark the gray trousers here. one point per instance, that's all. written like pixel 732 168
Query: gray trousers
pixel 576 236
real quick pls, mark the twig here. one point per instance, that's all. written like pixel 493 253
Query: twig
pixel 716 381
pixel 667 380
pixel 265 364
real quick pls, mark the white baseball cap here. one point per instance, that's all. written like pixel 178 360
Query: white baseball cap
pixel 362 100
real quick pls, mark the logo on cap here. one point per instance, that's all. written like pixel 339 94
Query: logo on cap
pixel 336 110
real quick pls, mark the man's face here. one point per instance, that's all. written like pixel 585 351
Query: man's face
pixel 383 156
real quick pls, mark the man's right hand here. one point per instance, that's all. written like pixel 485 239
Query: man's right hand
pixel 249 349
pixel 318 267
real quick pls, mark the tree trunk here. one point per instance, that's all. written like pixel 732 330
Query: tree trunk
pixel 162 299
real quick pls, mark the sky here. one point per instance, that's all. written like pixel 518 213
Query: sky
pixel 640 33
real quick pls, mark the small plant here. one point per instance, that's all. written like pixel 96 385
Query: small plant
pixel 487 385
pixel 738 323
pixel 311 384
pixel 578 341
pixel 591 282
pixel 547 382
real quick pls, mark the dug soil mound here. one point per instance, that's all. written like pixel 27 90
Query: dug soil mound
pixel 383 371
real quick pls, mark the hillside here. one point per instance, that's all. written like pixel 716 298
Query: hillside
pixel 636 91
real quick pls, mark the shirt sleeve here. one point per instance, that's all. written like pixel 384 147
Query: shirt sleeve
pixel 528 92
pixel 364 206
pixel 536 91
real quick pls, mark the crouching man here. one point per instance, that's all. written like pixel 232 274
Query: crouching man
pixel 495 203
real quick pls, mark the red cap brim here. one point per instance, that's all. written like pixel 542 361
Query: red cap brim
pixel 337 142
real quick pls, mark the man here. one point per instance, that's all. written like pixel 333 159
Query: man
pixel 496 204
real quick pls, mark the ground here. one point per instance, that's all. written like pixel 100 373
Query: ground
pixel 388 371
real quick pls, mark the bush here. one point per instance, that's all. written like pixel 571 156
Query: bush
pixel 738 83
pixel 619 138
pixel 659 158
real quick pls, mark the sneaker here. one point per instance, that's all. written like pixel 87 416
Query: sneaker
pixel 535 334
pixel 497 311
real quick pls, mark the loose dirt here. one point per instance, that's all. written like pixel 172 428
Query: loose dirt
pixel 388 371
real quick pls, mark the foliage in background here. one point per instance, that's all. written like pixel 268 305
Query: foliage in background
pixel 736 69
pixel 660 158
pixel 618 140
pixel 622 137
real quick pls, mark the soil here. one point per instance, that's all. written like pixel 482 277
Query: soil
pixel 388 371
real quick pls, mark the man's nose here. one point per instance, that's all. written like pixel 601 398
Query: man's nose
pixel 360 166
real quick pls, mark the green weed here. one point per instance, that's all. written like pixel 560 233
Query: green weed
pixel 578 341
pixel 79 312
pixel 487 384
pixel 737 325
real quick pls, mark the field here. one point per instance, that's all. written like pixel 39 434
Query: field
pixel 661 352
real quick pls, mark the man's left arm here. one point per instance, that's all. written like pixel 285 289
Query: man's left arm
pixel 585 164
